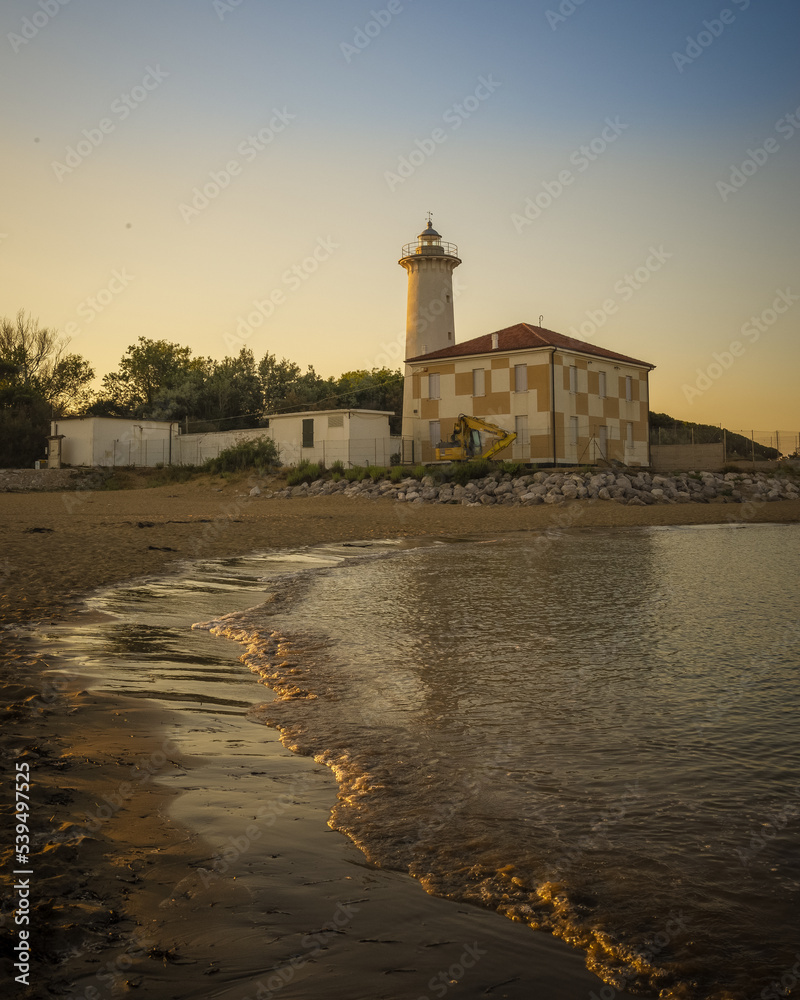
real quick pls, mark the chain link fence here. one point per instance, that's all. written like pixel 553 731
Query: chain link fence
pixel 676 444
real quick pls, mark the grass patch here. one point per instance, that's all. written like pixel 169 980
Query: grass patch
pixel 173 474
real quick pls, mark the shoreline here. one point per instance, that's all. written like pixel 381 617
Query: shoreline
pixel 188 879
pixel 57 547
pixel 150 830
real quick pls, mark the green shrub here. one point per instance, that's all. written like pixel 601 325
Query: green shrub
pixel 419 471
pixel 377 472
pixel 259 454
pixel 394 459
pixel 463 472
pixel 303 472
pixel 512 468
pixel 397 473
pixel 337 466
pixel 355 475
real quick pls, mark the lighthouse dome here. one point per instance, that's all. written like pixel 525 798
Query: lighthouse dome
pixel 430 232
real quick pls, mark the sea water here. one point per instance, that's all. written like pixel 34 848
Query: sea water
pixel 594 732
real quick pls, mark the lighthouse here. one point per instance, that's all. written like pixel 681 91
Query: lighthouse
pixel 429 315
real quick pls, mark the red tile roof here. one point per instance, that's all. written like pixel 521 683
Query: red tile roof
pixel 523 336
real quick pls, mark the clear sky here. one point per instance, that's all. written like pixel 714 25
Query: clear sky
pixel 168 164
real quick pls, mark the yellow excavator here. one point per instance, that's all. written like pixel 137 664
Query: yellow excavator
pixel 466 441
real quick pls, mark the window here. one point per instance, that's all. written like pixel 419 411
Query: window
pixel 628 388
pixel 435 432
pixel 573 430
pixel 573 378
pixel 308 433
pixel 433 386
pixel 602 392
pixel 520 378
pixel 478 382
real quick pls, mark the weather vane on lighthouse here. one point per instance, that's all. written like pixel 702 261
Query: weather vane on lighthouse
pixel 430 217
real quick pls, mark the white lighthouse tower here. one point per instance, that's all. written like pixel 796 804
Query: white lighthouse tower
pixel 429 316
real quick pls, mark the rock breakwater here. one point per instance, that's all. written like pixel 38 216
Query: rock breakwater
pixel 630 488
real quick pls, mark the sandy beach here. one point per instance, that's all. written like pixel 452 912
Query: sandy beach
pixel 133 901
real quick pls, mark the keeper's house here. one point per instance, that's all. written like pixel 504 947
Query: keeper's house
pixel 569 402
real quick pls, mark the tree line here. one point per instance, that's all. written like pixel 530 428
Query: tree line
pixel 40 380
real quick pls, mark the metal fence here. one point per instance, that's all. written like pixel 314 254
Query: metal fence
pixel 196 449
pixel 741 446
pixel 140 452
pixel 785 444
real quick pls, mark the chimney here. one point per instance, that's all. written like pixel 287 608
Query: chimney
pixel 495 341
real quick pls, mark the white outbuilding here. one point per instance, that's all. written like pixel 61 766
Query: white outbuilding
pixel 353 437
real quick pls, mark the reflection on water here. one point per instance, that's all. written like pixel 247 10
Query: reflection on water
pixel 590 734
pixel 594 732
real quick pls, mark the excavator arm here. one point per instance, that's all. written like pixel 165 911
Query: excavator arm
pixel 466 442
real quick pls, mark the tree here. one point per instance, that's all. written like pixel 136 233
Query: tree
pixel 235 389
pixel 277 378
pixel 147 368
pixel 35 362
pixel 38 380
pixel 69 390
pixel 379 389
pixel 308 392
pixel 24 427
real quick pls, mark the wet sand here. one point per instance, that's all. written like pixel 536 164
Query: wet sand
pixel 133 899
